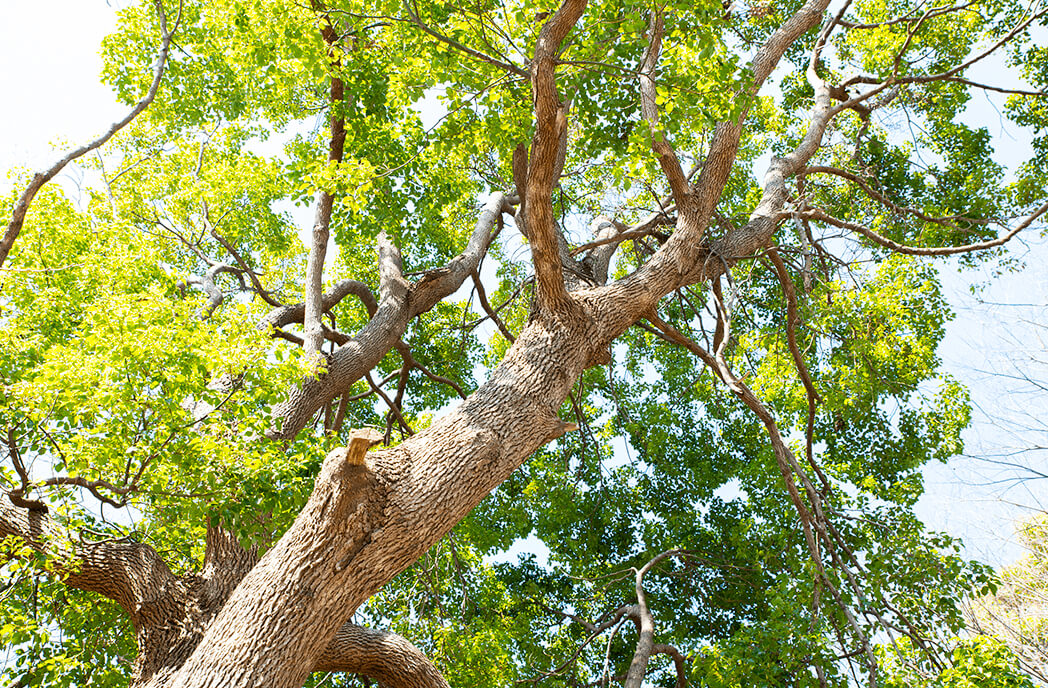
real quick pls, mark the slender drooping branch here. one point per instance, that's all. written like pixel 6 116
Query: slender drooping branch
pixel 816 214
pixel 414 18
pixel 14 226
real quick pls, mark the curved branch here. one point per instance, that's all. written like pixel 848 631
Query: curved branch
pixel 381 656
pixel 207 284
pixel 294 313
pixel 482 296
pixel 884 200
pixel 129 573
pixel 14 227
pixel 312 327
pixel 816 214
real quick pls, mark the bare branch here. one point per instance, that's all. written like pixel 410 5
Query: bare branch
pixel 286 315
pixel 816 214
pixel 399 302
pixel 645 623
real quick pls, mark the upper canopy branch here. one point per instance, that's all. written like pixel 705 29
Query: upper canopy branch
pixel 39 179
pixel 816 214
pixel 399 302
pixel 681 260
pixel 546 157
pixel 312 327
pixel 650 111
pixel 949 221
pixel 880 85
pixel 483 57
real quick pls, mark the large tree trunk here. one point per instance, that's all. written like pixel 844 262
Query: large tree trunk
pixel 365 523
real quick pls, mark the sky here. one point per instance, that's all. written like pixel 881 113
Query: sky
pixel 49 68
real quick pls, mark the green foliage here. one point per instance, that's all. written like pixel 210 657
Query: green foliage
pixel 115 368
pixel 978 662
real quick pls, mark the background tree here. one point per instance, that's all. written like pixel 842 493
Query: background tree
pixel 726 385
pixel 1016 611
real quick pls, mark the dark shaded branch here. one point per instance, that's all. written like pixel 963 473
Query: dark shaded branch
pixel 41 178
pixel 405 353
pixel 793 319
pixel 679 662
pixel 492 313
pixel 813 524
pixel 881 198
pixel 393 406
pixel 263 293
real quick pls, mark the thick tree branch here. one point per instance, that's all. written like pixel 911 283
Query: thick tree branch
pixel 129 573
pixel 551 124
pixel 381 656
pixel 683 258
pixel 399 302
pixel 41 178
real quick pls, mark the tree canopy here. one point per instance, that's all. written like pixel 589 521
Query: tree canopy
pixel 638 301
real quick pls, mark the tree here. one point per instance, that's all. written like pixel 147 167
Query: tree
pixel 1016 611
pixel 766 348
